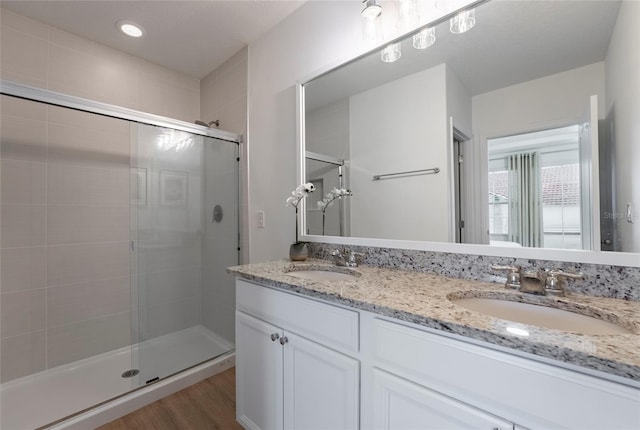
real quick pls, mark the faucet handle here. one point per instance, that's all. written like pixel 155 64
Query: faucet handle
pixel 556 283
pixel 560 273
pixel 338 258
pixel 355 258
pixel 506 268
pixel 513 275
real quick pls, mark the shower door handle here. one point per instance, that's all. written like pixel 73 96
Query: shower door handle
pixel 274 337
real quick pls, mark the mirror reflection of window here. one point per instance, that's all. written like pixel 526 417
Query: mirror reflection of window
pixel 534 189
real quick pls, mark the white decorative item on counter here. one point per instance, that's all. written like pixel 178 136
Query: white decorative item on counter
pixel 329 198
pixel 298 250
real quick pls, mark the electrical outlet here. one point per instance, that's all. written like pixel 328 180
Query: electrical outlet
pixel 260 219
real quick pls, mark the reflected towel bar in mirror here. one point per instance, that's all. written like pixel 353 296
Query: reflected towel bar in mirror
pixel 431 171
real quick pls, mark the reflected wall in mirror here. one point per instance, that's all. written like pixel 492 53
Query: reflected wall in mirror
pixel 540 93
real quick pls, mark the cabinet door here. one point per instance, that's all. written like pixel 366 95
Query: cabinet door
pixel 321 387
pixel 400 404
pixel 258 374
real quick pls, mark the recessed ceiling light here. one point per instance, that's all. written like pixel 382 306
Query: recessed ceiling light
pixel 130 28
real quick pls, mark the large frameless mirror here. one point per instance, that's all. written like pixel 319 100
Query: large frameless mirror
pixel 516 133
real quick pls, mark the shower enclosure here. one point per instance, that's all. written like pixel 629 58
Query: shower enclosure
pixel 115 236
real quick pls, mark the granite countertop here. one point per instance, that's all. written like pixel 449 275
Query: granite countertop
pixel 423 299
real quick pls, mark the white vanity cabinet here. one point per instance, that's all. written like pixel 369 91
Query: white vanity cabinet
pixel 259 374
pixel 403 405
pixel 482 384
pixel 306 364
pixel 284 379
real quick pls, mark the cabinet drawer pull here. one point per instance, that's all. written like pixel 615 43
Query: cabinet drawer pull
pixel 274 337
pixel 283 340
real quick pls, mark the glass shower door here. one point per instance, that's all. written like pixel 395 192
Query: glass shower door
pixel 185 228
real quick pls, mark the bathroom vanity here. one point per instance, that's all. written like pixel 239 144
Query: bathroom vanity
pixel 379 348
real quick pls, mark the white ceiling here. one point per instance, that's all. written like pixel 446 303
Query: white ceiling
pixel 192 37
pixel 513 40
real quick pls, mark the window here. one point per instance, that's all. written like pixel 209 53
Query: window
pixel 555 181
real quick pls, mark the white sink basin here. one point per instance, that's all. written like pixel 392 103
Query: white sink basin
pixel 321 274
pixel 540 316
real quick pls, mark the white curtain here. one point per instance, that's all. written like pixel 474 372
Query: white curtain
pixel 525 199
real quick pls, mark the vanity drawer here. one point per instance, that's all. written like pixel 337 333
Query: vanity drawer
pixel 532 393
pixel 324 323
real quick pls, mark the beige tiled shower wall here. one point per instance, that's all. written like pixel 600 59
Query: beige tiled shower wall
pixel 64 249
pixel 36 54
pixel 65 277
pixel 224 94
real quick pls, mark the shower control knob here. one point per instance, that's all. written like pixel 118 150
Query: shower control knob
pixel 275 336
pixel 283 340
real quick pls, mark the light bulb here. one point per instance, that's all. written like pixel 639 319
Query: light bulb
pixel 409 13
pixel 130 28
pixel 425 38
pixel 391 53
pixel 463 21
pixel 371 28
pixel 371 10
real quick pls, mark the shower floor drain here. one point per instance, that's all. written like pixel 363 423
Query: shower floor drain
pixel 130 373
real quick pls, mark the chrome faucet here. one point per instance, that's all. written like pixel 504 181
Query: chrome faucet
pixel 533 282
pixel 537 281
pixel 513 277
pixel 347 259
pixel 556 284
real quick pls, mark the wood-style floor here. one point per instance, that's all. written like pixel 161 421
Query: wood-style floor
pixel 207 405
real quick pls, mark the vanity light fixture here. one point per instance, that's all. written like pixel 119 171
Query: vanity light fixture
pixel 408 13
pixel 371 28
pixel 408 16
pixel 130 28
pixel 391 53
pixel 371 10
pixel 463 21
pixel 424 38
